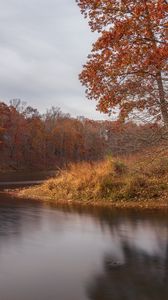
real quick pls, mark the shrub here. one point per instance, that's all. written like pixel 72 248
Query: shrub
pixel 135 185
pixel 110 186
pixel 159 167
pixel 119 168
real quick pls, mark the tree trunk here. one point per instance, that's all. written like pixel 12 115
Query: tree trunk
pixel 162 100
pixel 163 103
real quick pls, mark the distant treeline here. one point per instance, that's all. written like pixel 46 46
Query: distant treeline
pixel 29 139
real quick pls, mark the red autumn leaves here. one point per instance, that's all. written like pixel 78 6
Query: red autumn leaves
pixel 127 68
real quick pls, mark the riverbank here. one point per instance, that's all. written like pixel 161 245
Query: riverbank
pixel 114 183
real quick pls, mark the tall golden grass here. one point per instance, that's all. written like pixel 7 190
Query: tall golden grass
pixel 108 181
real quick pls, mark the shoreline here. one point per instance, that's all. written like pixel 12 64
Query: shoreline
pixel 111 184
pixel 138 205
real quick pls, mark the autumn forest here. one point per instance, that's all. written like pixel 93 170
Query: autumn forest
pixel 30 140
pixel 84 180
pixel 126 73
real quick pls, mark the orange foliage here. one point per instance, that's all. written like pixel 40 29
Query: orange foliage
pixel 55 139
pixel 127 68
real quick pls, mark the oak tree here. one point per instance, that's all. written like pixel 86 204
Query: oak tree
pixel 127 70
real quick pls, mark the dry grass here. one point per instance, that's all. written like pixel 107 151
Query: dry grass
pixel 108 181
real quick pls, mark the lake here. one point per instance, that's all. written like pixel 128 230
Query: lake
pixel 24 178
pixel 49 253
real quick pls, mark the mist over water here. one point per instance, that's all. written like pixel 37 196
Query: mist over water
pixel 50 253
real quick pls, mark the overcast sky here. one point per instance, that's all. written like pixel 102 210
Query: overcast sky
pixel 43 44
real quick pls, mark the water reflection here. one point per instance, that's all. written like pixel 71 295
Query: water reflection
pixel 14 216
pixel 136 267
pixel 139 275
pixel 50 253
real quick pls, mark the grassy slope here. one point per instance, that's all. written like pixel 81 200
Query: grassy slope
pixel 135 182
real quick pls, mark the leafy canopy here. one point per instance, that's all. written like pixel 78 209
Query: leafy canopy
pixel 127 68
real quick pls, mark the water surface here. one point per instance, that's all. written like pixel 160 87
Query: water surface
pixel 24 178
pixel 49 253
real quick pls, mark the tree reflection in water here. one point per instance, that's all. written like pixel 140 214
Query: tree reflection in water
pixel 140 276
pixel 52 253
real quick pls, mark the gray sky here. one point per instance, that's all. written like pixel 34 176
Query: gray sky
pixel 43 44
